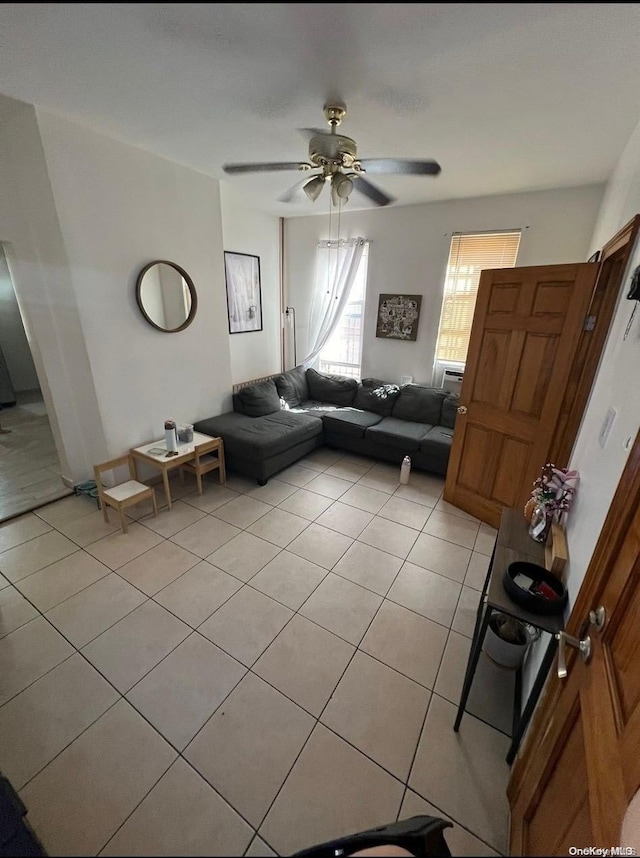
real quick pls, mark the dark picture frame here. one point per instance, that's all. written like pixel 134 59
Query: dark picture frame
pixel 398 317
pixel 244 292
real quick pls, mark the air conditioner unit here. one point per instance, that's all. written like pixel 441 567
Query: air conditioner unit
pixel 452 380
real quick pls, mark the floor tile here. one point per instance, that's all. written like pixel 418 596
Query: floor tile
pixel 320 545
pixel 405 512
pixel 82 797
pixel 170 521
pixel 428 482
pixel 407 642
pixel 279 527
pixel 329 487
pixel 242 511
pixel 62 579
pixel 198 593
pixel 259 849
pixel 89 528
pixel 239 483
pixel 467 778
pixel 297 475
pixel 383 477
pixel 323 798
pixel 477 570
pixel 37 724
pixel 182 815
pixel 119 548
pixel 444 506
pixel 440 556
pixel 29 653
pixel 273 493
pixel 158 567
pixel 248 746
pixel 246 624
pixel 205 536
pixel 90 612
pixel 289 579
pixel 459 840
pixel 345 519
pixel 379 711
pixel 320 459
pixel 485 539
pixel 188 685
pixel 244 555
pixel 346 470
pixel 212 497
pixel 390 537
pixel 3 582
pixel 369 500
pixel 307 504
pixel 417 494
pixel 433 596
pixel 368 566
pixel 452 528
pixel 15 610
pixel 27 558
pixel 135 644
pixel 305 662
pixel 341 607
pixel 67 510
pixel 492 693
pixel 464 620
pixel 20 530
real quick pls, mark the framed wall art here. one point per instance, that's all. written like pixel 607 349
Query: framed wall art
pixel 244 295
pixel 398 317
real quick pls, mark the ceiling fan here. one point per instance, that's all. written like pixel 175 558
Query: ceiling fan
pixel 333 159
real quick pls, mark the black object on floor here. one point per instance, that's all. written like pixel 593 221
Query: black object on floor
pixel 16 836
pixel 422 836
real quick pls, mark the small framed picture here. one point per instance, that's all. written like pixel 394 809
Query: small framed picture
pixel 244 295
pixel 398 317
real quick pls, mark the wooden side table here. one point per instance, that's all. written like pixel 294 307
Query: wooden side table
pixel 155 454
pixel 513 543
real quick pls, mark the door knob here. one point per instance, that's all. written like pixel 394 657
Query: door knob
pixel 462 409
pixel 564 639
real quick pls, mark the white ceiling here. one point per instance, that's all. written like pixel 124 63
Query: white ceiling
pixel 507 97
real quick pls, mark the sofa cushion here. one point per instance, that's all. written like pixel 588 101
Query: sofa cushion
pixel 349 421
pixel 379 398
pixel 436 444
pixel 404 435
pixel 260 438
pixel 256 400
pixel 336 389
pixel 419 403
pixel 450 410
pixel 292 386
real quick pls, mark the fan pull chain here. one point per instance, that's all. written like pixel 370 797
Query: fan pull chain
pixel 338 241
pixel 329 252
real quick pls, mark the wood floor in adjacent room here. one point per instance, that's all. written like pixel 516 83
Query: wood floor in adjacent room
pixel 29 465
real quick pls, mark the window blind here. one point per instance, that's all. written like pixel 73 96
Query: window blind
pixel 469 255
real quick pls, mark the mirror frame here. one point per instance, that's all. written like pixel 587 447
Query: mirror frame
pixel 192 292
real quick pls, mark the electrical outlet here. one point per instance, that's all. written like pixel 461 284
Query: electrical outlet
pixel 607 423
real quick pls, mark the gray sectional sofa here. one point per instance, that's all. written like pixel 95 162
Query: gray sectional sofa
pixel 276 422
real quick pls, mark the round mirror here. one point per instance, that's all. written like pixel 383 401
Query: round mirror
pixel 166 296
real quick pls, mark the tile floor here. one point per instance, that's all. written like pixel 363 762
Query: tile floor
pixel 256 671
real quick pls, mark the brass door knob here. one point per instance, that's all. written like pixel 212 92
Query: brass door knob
pixel 462 409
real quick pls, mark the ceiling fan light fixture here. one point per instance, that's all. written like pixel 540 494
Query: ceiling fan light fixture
pixel 314 187
pixel 341 187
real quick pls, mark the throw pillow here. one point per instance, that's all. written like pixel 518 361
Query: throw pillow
pixel 256 400
pixel 378 398
pixel 336 389
pixel 450 410
pixel 419 404
pixel 292 386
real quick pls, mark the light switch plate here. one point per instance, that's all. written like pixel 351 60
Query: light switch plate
pixel 607 423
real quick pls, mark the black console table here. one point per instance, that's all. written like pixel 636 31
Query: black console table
pixel 513 543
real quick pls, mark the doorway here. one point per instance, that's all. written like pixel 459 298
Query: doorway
pixel 30 472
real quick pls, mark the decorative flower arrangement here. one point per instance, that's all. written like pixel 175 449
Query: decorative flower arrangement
pixel 551 499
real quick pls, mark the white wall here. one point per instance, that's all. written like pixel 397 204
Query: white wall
pixel 13 339
pixel 120 207
pixel 409 252
pixel 245 230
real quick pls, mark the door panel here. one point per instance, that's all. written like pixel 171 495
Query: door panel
pixel 526 329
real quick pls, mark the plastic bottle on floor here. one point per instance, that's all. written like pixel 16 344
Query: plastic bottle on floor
pixel 405 470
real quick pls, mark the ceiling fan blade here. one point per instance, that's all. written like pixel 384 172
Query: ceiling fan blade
pixel 294 191
pixel 264 168
pixel 400 165
pixel 374 194
pixel 313 132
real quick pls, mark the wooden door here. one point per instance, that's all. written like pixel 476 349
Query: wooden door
pixel 526 329
pixel 580 766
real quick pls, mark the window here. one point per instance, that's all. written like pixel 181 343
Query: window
pixel 343 352
pixel 468 256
